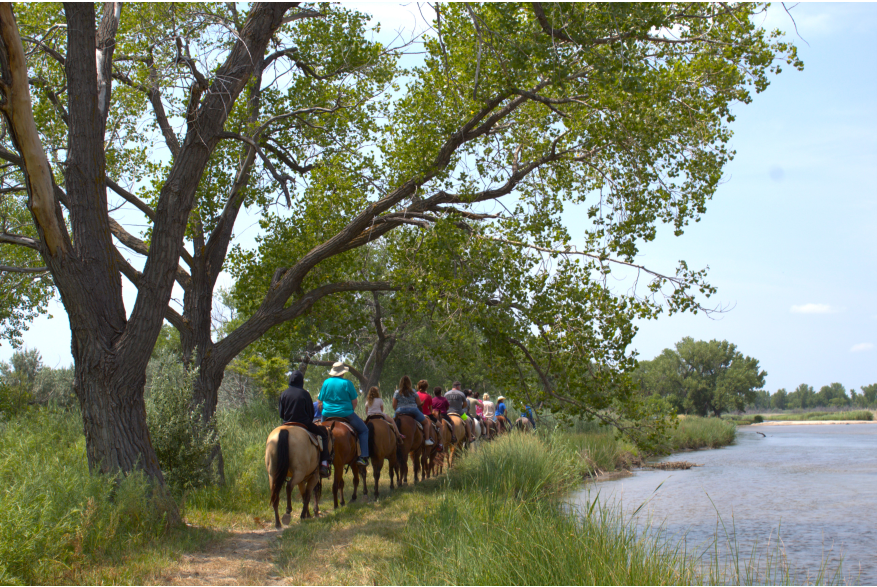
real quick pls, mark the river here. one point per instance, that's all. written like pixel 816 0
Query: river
pixel 814 485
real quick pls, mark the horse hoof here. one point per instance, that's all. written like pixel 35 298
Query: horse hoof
pixel 285 519
pixel 278 527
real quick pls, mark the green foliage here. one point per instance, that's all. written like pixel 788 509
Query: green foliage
pixel 56 517
pixel 869 394
pixel 17 380
pixel 700 377
pixel 758 419
pixel 181 441
pixel 779 400
pixel 834 395
pixel 820 416
pixel 802 398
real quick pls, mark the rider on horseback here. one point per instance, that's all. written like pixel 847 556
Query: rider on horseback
pixel 296 405
pixel 440 405
pixel 375 407
pixel 339 400
pixel 406 402
pixel 500 409
pixel 457 401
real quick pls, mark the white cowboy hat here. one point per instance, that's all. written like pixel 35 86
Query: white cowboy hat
pixel 338 369
pixel 500 398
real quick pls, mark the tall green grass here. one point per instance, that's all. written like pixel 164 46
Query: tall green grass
pixel 502 510
pixel 56 518
pixel 694 432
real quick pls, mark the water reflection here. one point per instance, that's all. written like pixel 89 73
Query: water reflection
pixel 817 485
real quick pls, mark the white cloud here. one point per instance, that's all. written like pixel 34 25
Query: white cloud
pixel 862 346
pixel 813 309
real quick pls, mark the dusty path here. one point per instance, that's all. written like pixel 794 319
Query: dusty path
pixel 245 558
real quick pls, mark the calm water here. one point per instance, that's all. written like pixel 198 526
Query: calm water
pixel 816 485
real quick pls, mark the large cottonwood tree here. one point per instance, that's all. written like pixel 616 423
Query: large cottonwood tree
pixel 517 112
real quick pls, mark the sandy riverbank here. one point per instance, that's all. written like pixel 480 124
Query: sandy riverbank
pixel 813 422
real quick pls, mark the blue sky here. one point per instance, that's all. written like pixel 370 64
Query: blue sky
pixel 791 235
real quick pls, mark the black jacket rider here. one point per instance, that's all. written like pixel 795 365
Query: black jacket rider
pixel 296 405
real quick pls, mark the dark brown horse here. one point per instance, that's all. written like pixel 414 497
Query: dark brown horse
pixel 492 429
pixel 503 425
pixel 382 447
pixel 345 455
pixel 291 458
pixel 411 446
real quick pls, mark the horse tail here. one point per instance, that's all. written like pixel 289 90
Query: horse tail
pixel 371 438
pixel 282 465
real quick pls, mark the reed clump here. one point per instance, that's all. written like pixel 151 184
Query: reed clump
pixel 694 432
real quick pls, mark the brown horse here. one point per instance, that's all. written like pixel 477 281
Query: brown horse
pixel 503 425
pixel 381 447
pixel 428 452
pixel 345 454
pixel 437 464
pixel 462 434
pixel 412 445
pixel 492 429
pixel 291 458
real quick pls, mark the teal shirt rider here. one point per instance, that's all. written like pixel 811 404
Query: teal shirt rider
pixel 337 395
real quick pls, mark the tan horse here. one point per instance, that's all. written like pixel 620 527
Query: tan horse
pixel 492 429
pixel 345 455
pixel 462 434
pixel 291 458
pixel 411 446
pixel 523 424
pixel 381 447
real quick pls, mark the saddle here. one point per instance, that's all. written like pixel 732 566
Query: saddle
pixel 419 425
pixel 346 423
pixel 315 440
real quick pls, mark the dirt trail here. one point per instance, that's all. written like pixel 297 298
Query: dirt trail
pixel 245 558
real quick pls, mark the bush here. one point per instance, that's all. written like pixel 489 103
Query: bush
pixel 758 419
pixel 182 443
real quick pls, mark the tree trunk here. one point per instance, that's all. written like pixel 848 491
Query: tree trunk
pixel 114 421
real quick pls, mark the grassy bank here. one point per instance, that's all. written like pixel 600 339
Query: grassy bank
pixel 58 524
pixel 502 505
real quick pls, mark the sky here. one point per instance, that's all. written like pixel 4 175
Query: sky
pixel 790 236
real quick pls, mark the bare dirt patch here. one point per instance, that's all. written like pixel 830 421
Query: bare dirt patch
pixel 244 558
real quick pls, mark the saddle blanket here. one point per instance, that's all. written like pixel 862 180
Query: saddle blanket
pixel 315 440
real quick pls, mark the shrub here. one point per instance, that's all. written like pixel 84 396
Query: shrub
pixel 182 443
pixel 758 419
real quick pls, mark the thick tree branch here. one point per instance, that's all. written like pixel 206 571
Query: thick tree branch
pixel 138 246
pixel 136 278
pixel 8 269
pixel 17 239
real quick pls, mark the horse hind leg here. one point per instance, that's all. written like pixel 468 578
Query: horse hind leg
pixel 286 517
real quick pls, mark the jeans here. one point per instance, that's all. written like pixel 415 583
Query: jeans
pixel 361 431
pixel 413 412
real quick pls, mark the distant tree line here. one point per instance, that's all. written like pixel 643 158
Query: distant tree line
pixel 828 396
pixel 711 378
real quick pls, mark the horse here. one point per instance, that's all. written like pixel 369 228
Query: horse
pixel 503 425
pixel 462 434
pixel 411 445
pixel 428 452
pixel 524 424
pixel 437 464
pixel 492 430
pixel 381 447
pixel 478 431
pixel 291 458
pixel 344 441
